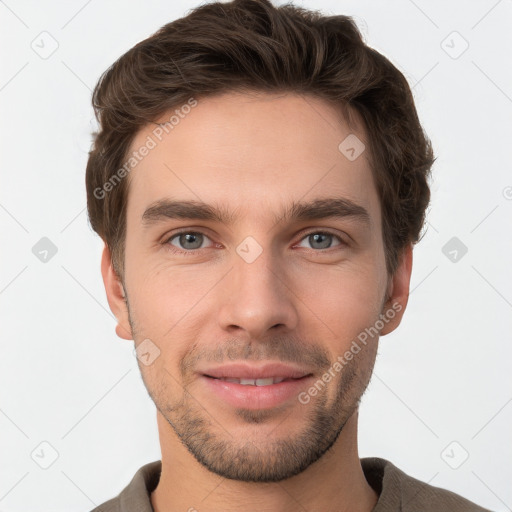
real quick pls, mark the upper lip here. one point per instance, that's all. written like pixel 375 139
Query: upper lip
pixel 251 371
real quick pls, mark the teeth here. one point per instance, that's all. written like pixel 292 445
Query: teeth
pixel 264 382
pixel 247 382
pixel 255 382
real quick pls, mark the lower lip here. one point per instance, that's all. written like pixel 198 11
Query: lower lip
pixel 256 397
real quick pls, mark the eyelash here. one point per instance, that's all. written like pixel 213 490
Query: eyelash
pixel 182 252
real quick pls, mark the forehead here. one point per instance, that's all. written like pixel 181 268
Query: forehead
pixel 252 151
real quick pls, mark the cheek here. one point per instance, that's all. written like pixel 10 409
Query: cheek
pixel 339 308
pixel 166 299
pixel 349 293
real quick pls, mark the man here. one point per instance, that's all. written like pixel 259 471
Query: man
pixel 259 179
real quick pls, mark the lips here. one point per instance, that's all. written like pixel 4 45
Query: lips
pixel 253 396
pixel 253 382
pixel 247 373
pixel 255 386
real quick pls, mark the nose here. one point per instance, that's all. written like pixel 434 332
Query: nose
pixel 258 297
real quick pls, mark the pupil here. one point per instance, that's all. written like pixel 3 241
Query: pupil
pixel 190 238
pixel 318 238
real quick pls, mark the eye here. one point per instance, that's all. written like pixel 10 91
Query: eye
pixel 187 241
pixel 322 239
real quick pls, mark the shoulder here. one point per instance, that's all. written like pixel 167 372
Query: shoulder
pixel 410 494
pixel 136 496
pixel 109 506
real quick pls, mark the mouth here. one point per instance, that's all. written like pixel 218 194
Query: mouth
pixel 268 381
pixel 255 387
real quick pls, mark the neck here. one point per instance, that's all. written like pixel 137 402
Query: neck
pixel 334 482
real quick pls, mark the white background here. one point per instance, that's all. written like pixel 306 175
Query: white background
pixel 66 379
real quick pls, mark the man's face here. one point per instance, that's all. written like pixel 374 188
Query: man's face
pixel 233 298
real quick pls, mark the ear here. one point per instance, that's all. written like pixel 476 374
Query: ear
pixel 115 295
pixel 398 292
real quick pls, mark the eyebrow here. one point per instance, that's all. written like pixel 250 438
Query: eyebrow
pixel 317 209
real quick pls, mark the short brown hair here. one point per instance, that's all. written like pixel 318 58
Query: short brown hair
pixel 251 45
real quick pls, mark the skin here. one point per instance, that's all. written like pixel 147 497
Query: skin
pixel 297 301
